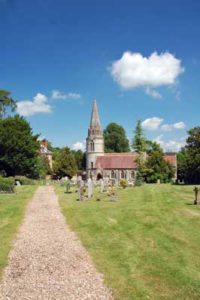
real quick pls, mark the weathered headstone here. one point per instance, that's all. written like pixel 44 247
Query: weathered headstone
pixel 101 182
pixel 90 188
pixel 113 193
pixel 196 192
pixel 106 183
pixel 68 186
pixel 80 189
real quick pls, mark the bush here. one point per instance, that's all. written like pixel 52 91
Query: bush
pixel 139 179
pixel 24 180
pixel 123 183
pixel 7 185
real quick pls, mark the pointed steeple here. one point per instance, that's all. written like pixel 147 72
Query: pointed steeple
pixel 95 125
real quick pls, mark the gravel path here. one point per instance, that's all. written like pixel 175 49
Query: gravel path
pixel 47 260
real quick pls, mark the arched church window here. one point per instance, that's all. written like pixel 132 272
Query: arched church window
pixel 132 174
pixel 91 146
pixel 122 174
pixel 112 174
pixel 92 165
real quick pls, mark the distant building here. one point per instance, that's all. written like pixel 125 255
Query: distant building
pixel 45 152
pixel 112 165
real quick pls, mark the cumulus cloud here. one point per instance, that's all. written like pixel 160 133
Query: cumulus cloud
pixel 170 127
pixel 171 145
pixel 37 105
pixel 134 70
pixel 155 124
pixel 79 146
pixel 153 93
pixel 57 95
pixel 152 123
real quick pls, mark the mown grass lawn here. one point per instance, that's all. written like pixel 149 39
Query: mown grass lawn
pixel 12 208
pixel 147 244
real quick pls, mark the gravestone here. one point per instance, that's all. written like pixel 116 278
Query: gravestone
pixel 113 194
pixel 106 183
pixel 196 193
pixel 80 184
pixel 90 188
pixel 101 182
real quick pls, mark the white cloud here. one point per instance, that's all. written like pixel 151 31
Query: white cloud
pixel 170 127
pixel 79 146
pixel 153 93
pixel 38 105
pixel 155 124
pixel 171 145
pixel 57 95
pixel 134 70
pixel 152 123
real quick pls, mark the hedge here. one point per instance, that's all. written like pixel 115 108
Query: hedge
pixel 7 185
pixel 24 180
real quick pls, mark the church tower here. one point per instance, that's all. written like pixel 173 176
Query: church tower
pixel 94 141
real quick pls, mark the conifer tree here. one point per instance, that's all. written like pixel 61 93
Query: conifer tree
pixel 6 101
pixel 139 141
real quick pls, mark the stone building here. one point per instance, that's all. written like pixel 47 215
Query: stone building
pixel 45 152
pixel 113 165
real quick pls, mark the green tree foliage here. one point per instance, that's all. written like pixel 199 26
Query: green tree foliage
pixel 151 146
pixel 189 158
pixel 156 167
pixel 43 166
pixel 51 148
pixel 64 163
pixel 139 141
pixel 6 101
pixel 182 164
pixel 115 139
pixel 18 147
pixel 80 158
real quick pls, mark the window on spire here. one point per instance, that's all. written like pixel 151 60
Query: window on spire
pixel 92 146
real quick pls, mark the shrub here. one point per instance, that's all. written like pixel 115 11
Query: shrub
pixel 7 185
pixel 139 179
pixel 123 183
pixel 24 180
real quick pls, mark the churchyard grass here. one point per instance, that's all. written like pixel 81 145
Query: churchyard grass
pixel 147 244
pixel 12 208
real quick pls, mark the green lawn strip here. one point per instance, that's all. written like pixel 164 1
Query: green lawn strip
pixel 12 209
pixel 146 244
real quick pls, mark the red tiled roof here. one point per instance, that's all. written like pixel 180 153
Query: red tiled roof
pixel 126 160
pixel 116 161
pixel 171 158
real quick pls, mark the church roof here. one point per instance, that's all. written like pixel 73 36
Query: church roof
pixel 95 121
pixel 111 161
pixel 116 161
pixel 171 158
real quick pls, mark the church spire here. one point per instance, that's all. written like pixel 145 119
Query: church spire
pixel 95 125
pixel 95 122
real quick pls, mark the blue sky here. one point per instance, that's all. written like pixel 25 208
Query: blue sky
pixel 139 59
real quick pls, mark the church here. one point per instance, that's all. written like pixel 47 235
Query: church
pixel 112 165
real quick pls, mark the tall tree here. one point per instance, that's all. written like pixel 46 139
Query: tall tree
pixel 182 164
pixel 139 141
pixel 64 163
pixel 80 158
pixel 115 138
pixel 18 147
pixel 189 158
pixel 43 166
pixel 156 167
pixel 6 101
